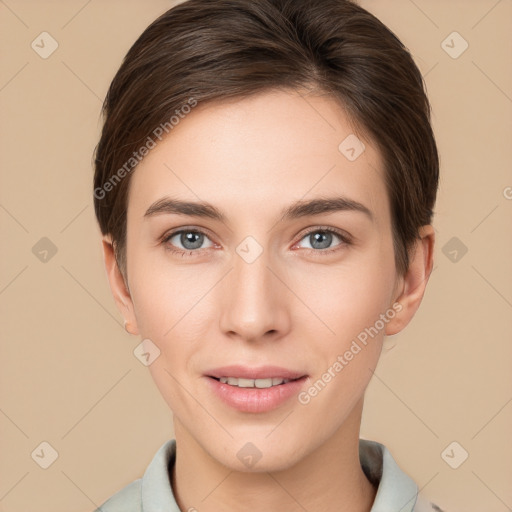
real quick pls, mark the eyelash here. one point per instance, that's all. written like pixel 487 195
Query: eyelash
pixel 344 237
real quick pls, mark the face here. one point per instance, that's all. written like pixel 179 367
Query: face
pixel 262 280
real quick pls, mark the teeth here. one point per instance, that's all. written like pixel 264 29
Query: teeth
pixel 253 383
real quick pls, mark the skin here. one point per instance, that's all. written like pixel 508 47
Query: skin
pixel 294 306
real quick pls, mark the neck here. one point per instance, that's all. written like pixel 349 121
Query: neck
pixel 329 478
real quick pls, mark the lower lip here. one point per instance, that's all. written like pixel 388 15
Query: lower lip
pixel 256 399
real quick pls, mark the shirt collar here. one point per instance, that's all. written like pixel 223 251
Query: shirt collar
pixel 395 490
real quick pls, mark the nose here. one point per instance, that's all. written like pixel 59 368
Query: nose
pixel 254 300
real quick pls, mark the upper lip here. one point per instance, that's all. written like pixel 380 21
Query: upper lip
pixel 260 372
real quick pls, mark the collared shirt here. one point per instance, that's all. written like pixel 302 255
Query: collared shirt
pixel 396 492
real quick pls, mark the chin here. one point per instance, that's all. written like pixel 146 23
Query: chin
pixel 258 454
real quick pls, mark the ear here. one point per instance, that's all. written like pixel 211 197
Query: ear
pixel 118 286
pixel 414 282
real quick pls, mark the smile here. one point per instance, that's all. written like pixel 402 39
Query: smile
pixel 253 383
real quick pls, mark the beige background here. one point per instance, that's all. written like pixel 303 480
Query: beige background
pixel 68 374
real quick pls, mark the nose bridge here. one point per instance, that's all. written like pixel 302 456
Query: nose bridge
pixel 253 305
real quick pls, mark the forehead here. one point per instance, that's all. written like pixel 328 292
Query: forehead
pixel 259 153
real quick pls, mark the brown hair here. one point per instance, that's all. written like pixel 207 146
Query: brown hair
pixel 207 50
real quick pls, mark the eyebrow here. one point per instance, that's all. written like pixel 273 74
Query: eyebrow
pixel 296 210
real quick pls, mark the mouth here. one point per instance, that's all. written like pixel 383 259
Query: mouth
pixel 241 382
pixel 255 395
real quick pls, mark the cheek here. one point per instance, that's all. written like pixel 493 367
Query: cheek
pixel 350 301
pixel 171 308
pixel 352 307
pixel 164 293
pixel 350 297
pixel 170 313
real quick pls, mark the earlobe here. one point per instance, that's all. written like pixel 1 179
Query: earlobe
pixel 414 281
pixel 128 328
pixel 118 287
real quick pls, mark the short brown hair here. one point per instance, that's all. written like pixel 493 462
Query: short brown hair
pixel 208 50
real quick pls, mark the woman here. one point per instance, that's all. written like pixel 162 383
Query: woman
pixel 265 183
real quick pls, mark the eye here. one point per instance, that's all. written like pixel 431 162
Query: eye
pixel 321 239
pixel 189 239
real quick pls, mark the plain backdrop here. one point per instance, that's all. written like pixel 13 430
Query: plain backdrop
pixel 68 374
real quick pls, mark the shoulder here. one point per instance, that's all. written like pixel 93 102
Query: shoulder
pixel 128 499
